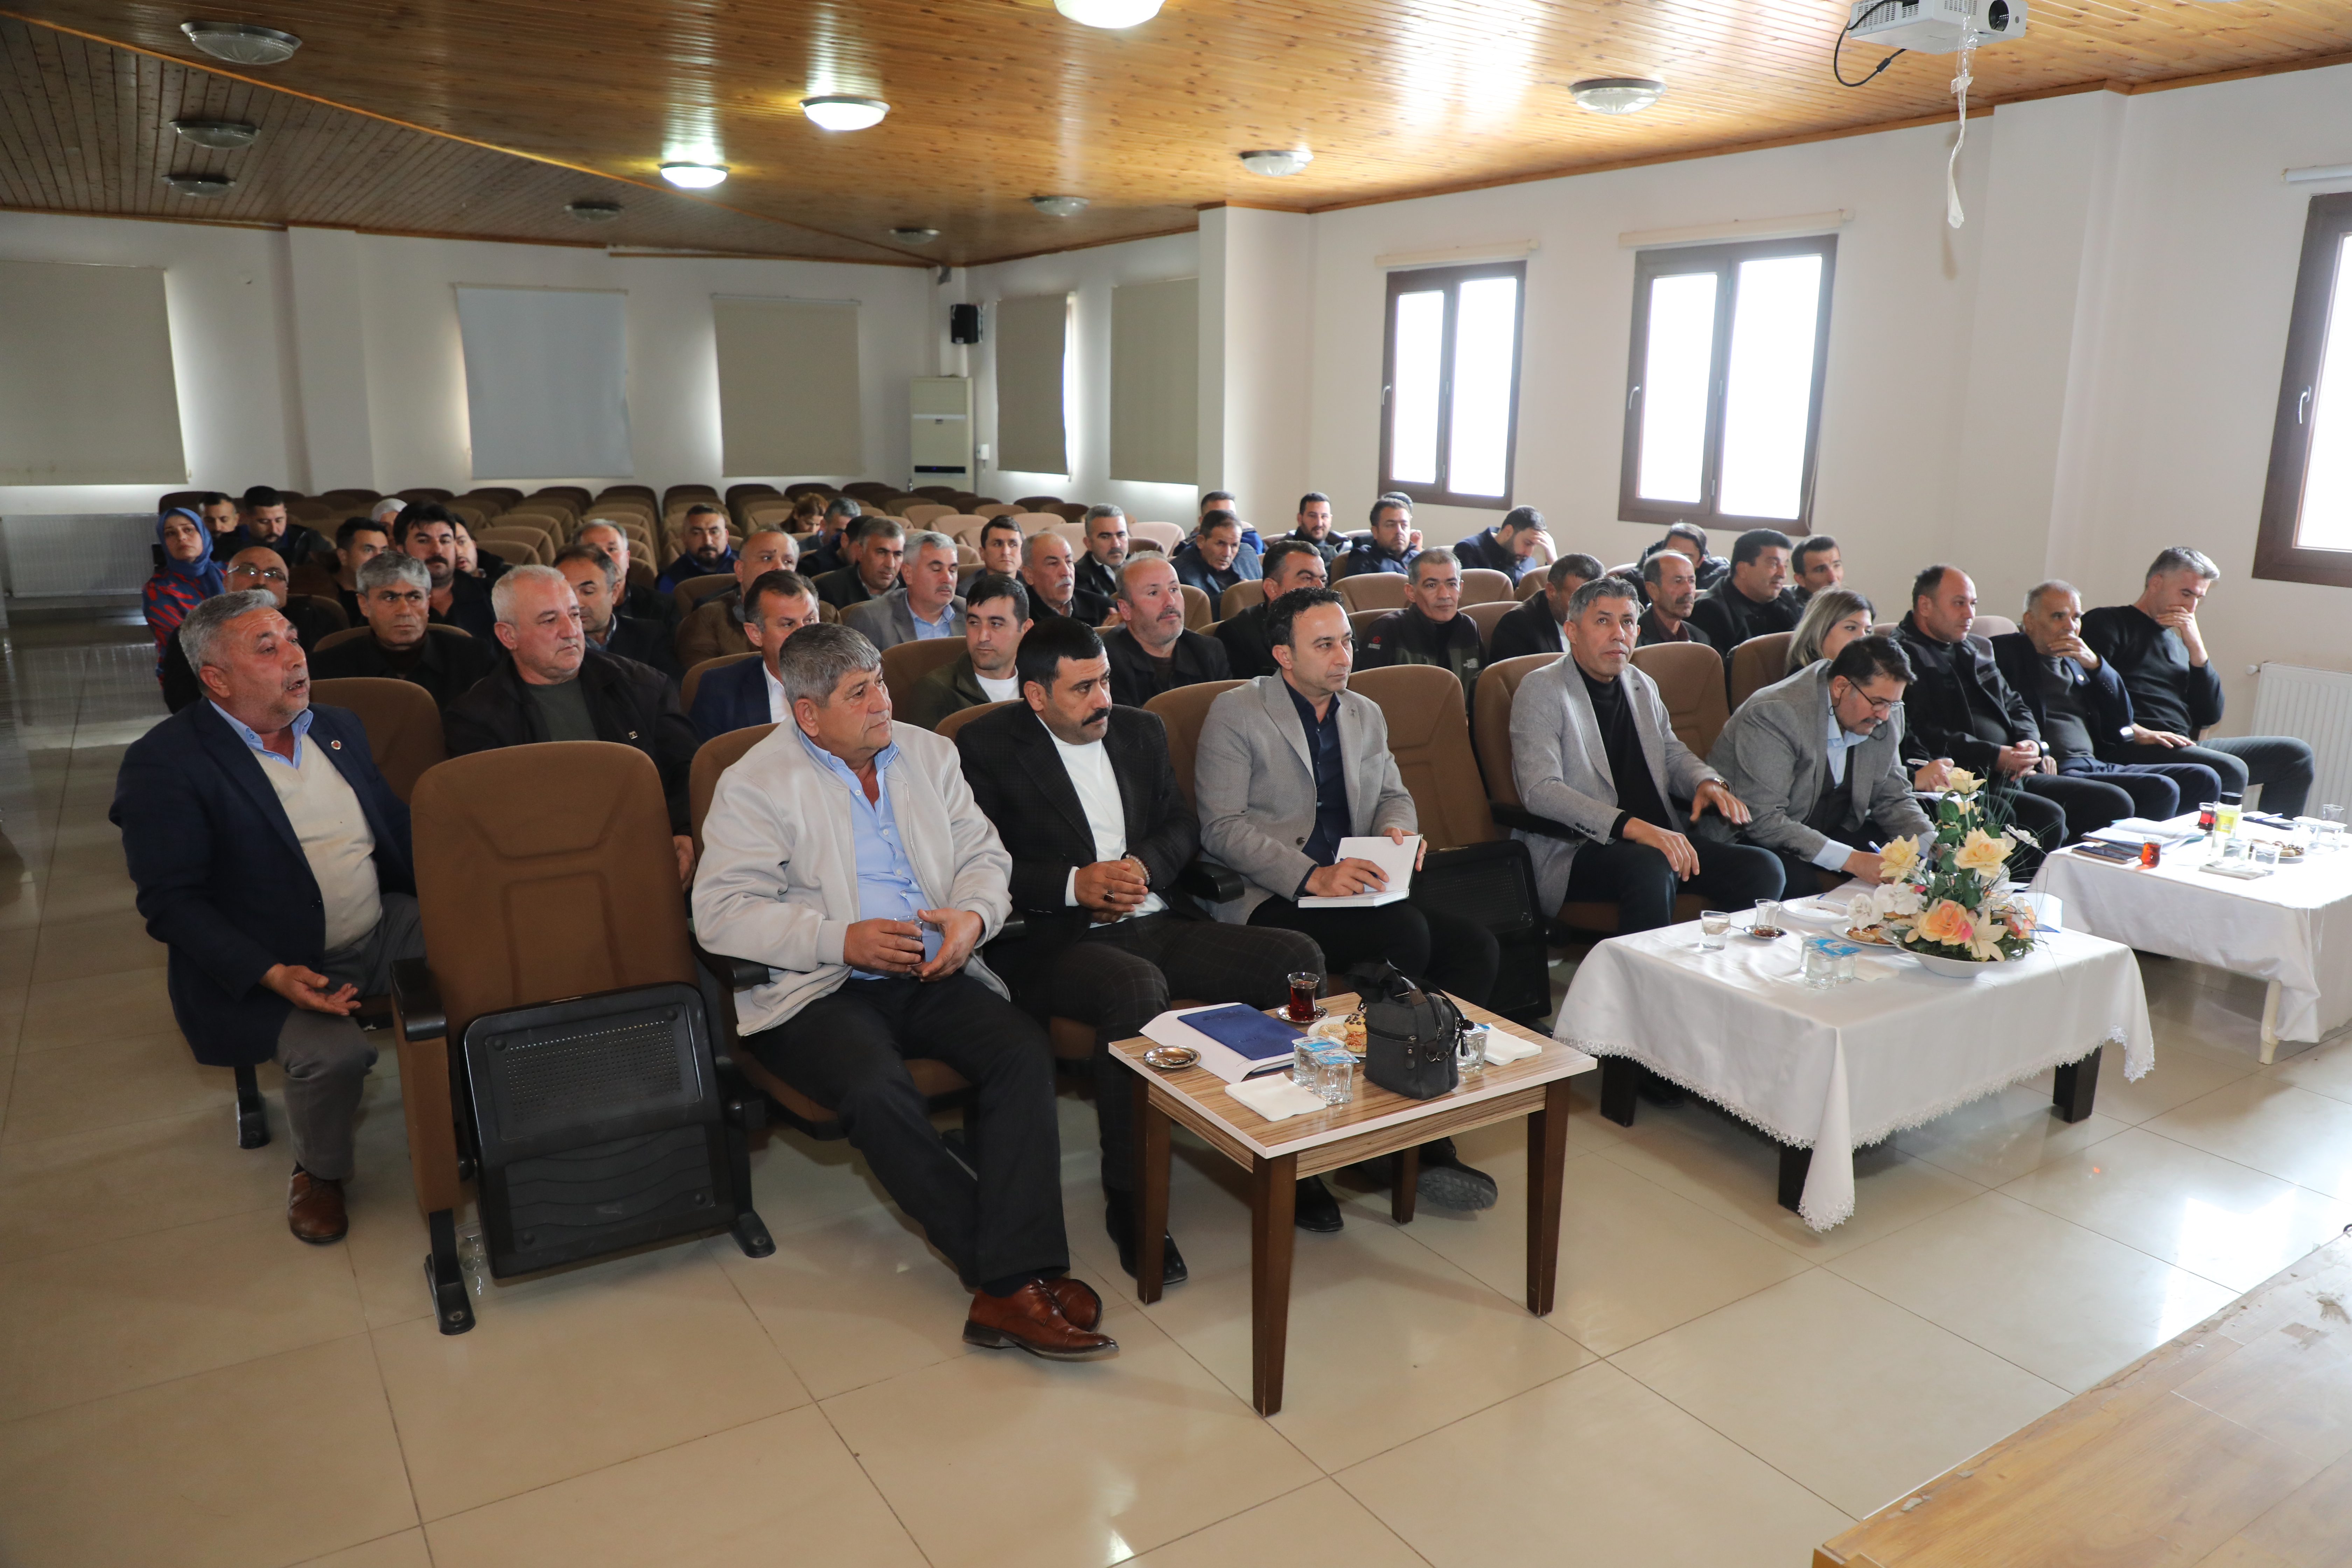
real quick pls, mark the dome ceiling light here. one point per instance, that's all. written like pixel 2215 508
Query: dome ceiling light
pixel 914 236
pixel 1108 13
pixel 242 42
pixel 844 111
pixel 1616 94
pixel 217 133
pixel 694 177
pixel 200 185
pixel 594 212
pixel 1276 162
pixel 1059 206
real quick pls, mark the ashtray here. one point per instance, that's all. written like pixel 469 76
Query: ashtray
pixel 1170 1058
pixel 1282 1016
pixel 1763 933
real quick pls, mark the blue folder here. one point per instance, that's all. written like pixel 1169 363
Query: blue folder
pixel 1245 1030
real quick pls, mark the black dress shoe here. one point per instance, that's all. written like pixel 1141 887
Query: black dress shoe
pixel 1120 1220
pixel 1448 1183
pixel 1318 1210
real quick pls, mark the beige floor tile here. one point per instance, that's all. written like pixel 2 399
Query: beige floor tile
pixel 273 1461
pixel 2288 1132
pixel 102 1007
pixel 782 1489
pixel 1592 1467
pixel 104 945
pixel 405 1550
pixel 2065 1303
pixel 2325 1069
pixel 2178 1078
pixel 1002 1458
pixel 388 1240
pixel 102 1320
pixel 56 1193
pixel 12 1017
pixel 1839 1389
pixel 82 898
pixel 113 1083
pixel 1318 1526
pixel 2225 1025
pixel 17 949
pixel 88 851
pixel 576 1372
pixel 799 1181
pixel 2211 1216
pixel 2003 1136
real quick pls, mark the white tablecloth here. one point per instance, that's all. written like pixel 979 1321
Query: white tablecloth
pixel 2294 927
pixel 1837 1069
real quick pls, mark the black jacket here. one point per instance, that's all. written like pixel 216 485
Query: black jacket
pixel 1095 577
pixel 469 609
pixel 632 705
pixel 1136 679
pixel 1408 636
pixel 1650 635
pixel 2152 662
pixel 843 588
pixel 448 667
pixel 1087 607
pixel 1730 618
pixel 1249 653
pixel 1018 780
pixel 2110 705
pixel 1486 549
pixel 1950 682
pixel 647 642
pixel 1527 629
pixel 1331 546
pixel 1364 555
pixel 297 546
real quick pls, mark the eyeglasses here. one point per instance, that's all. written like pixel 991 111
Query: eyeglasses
pixel 267 573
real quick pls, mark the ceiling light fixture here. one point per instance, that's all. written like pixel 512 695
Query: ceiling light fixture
pixel 1108 13
pixel 694 177
pixel 844 111
pixel 200 185
pixel 220 133
pixel 594 212
pixel 914 236
pixel 242 42
pixel 1616 94
pixel 1059 206
pixel 1276 162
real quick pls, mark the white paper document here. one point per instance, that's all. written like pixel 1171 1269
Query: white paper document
pixel 1393 858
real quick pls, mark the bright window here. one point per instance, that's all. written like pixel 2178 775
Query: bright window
pixel 2305 535
pixel 1451 393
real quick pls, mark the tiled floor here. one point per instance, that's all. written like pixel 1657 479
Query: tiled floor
pixel 182 1384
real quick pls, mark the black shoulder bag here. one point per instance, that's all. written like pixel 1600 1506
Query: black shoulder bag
pixel 1410 1035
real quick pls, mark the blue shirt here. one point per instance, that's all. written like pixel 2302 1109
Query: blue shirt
pixel 945 627
pixel 1331 822
pixel 301 728
pixel 887 888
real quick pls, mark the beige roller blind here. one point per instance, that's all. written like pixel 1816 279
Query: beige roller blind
pixel 1032 336
pixel 1155 382
pixel 87 395
pixel 788 386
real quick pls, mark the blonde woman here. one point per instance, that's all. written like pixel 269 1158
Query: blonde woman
pixel 1833 617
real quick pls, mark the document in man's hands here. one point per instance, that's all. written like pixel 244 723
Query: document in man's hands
pixel 1395 859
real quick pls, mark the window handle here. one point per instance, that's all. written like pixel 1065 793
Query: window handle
pixel 1630 396
pixel 2302 406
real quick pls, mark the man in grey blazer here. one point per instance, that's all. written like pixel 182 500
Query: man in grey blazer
pixel 1593 749
pixel 1818 758
pixel 922 606
pixel 1287 767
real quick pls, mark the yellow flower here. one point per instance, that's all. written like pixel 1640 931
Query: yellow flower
pixel 1898 859
pixel 1945 922
pixel 1961 782
pixel 1983 852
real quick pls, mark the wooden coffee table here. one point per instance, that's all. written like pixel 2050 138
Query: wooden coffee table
pixel 1377 1122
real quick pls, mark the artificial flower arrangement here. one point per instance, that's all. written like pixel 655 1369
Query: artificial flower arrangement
pixel 1937 895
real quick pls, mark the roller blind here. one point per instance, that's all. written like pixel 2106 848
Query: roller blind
pixel 547 382
pixel 1155 382
pixel 87 395
pixel 1032 336
pixel 788 385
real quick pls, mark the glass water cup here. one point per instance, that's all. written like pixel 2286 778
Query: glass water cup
pixel 2266 854
pixel 1470 1050
pixel 1821 964
pixel 2234 851
pixel 1712 924
pixel 1303 985
pixel 1337 1080
pixel 1306 1065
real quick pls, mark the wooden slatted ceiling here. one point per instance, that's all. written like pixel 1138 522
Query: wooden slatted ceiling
pixel 996 100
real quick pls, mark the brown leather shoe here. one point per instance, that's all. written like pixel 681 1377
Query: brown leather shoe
pixel 1031 1319
pixel 1077 1301
pixel 314 1208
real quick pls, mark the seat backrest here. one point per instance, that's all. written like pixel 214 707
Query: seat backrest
pixel 1183 709
pixel 963 527
pixel 1362 621
pixel 923 513
pixel 1373 590
pixel 1072 530
pixel 1992 627
pixel 1690 682
pixel 962 716
pixel 1039 503
pixel 546 872
pixel 694 590
pixel 1530 586
pixel 691 681
pixel 908 662
pixel 714 757
pixel 1757 663
pixel 996 508
pixel 402 721
pixel 1167 534
pixel 1031 521
pixel 513 552
pixel 1239 597
pixel 1485 617
pixel 1485 585
pixel 1429 736
pixel 1198 611
pixel 337 639
pixel 1497 685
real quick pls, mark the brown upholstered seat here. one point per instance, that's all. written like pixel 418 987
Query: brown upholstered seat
pixel 1359 622
pixel 694 590
pixel 1429 736
pixel 1183 711
pixel 1690 683
pixel 1757 663
pixel 692 681
pixel 513 552
pixel 1198 611
pixel 1166 535
pixel 1485 585
pixel 1485 617
pixel 1240 597
pixel 337 639
pixel 908 662
pixel 1372 591
pixel 962 716
pixel 1530 586
pixel 402 724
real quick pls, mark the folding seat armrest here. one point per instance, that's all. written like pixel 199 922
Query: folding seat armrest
pixel 1016 927
pixel 1526 821
pixel 735 974
pixel 417 1000
pixel 1211 882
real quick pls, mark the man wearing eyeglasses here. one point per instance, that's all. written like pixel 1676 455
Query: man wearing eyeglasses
pixel 1818 760
pixel 256 566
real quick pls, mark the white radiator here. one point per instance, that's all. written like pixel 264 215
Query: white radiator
pixel 89 552
pixel 2314 706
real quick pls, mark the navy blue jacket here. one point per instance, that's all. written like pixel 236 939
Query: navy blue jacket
pixel 2110 705
pixel 222 880
pixel 731 698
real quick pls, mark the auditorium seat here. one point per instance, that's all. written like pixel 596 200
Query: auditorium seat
pixel 922 513
pixel 1198 611
pixel 996 509
pixel 1361 622
pixel 513 552
pixel 962 716
pixel 1239 597
pixel 1757 663
pixel 1429 736
pixel 1373 590
pixel 1168 536
pixel 1485 585
pixel 908 662
pixel 1992 627
pixel 1183 711
pixel 1530 586
pixel 1039 503
pixel 1487 615
pixel 1690 683
pixel 402 724
pixel 694 590
pixel 691 681
pixel 337 639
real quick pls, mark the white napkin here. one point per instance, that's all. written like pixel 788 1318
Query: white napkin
pixel 1502 1048
pixel 1274 1096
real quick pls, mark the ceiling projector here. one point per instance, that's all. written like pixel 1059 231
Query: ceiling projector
pixel 1936 26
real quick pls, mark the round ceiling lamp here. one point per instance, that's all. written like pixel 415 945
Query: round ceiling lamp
pixel 1059 206
pixel 242 42
pixel 219 134
pixel 594 212
pixel 842 112
pixel 694 177
pixel 1108 13
pixel 914 236
pixel 1276 162
pixel 200 185
pixel 1616 94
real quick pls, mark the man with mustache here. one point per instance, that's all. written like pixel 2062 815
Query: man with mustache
pixel 702 548
pixel 1153 653
pixel 428 534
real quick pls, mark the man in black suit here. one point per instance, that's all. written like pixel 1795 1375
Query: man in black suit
pixel 1755 599
pixel 1535 625
pixel 1084 797
pixel 273 860
pixel 262 519
pixel 359 541
pixel 1106 551
pixel 638 600
pixel 1290 563
pixel 829 549
pixel 595 582
pixel 876 545
pixel 1053 583
pixel 395 591
pixel 428 534
pixel 1153 652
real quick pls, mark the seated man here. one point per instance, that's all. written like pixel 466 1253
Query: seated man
pixel 2078 701
pixel 1592 748
pixel 218 515
pixel 1818 761
pixel 1314 528
pixel 1511 546
pixel 702 547
pixel 262 519
pixel 846 853
pixel 1224 500
pixel 1053 583
pixel 745 693
pixel 642 602
pixel 2155 647
pixel 715 626
pixel 1688 540
pixel 1536 626
pixel 1391 547
pixel 1106 551
pixel 1214 559
pixel 1431 628
pixel 1085 797
pixel 428 534
pixel 996 619
pixel 359 541
pixel 256 567
pixel 273 861
pixel 1815 564
pixel 1290 563
pixel 1289 766
pixel 1672 582
pixel 551 688
pixel 1152 652
pixel 469 556
pixel 1000 552
pixel 924 606
pixel 876 546
pixel 395 597
pixel 596 580
pixel 828 550
pixel 1754 599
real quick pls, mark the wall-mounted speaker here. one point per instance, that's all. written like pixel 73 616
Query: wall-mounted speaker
pixel 963 323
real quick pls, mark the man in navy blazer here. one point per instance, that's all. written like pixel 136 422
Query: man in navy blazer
pixel 273 859
pixel 748 692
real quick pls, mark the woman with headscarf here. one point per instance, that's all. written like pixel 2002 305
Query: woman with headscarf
pixel 186 578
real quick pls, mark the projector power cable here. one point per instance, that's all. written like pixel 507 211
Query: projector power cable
pixel 1837 72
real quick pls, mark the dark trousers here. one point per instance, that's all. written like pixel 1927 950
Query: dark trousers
pixel 1119 977
pixel 2040 816
pixel 849 1051
pixel 2087 803
pixel 2158 790
pixel 1454 955
pixel 2282 765
pixel 1641 882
